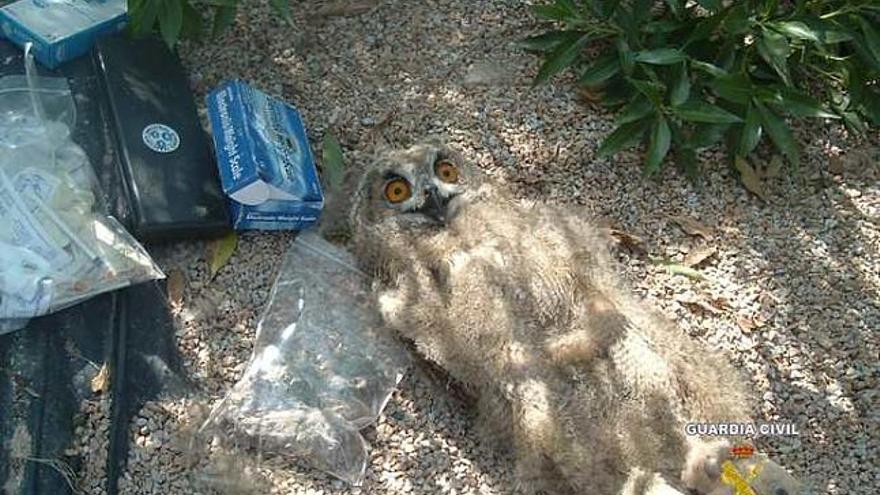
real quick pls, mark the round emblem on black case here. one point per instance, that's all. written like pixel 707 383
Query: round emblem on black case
pixel 160 138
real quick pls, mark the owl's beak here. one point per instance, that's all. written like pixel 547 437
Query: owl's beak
pixel 434 206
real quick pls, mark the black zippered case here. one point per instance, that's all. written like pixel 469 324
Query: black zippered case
pixel 171 183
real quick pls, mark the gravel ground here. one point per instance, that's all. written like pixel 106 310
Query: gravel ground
pixel 791 289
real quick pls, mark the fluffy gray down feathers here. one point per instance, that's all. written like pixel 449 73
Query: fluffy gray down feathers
pixel 522 304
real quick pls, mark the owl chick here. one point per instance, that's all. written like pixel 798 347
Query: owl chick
pixel 520 303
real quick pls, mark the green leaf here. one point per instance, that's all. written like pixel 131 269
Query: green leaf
pixel 552 12
pixel 635 110
pixel 627 59
pixel 802 105
pixel 856 81
pixel 704 29
pixel 737 20
pixel 675 6
pixel 658 146
pixel 568 5
pixel 564 55
pixel 144 17
pixel 597 8
pixel 711 69
pixel 686 158
pixel 832 37
pixel 548 41
pixel 626 20
pixel 282 8
pixel 662 26
pixel 681 88
pixel 192 23
pixel 774 49
pixel 779 133
pixel 710 5
pixel 642 11
pixel 854 123
pixel 708 134
pixel 751 133
pixel 865 57
pixel 602 69
pixel 685 271
pixel 219 251
pixel 734 88
pixel 332 162
pixel 769 8
pixel 223 18
pixel 660 56
pixel 872 39
pixel 623 137
pixel 797 30
pixel 729 55
pixel 678 269
pixel 700 111
pixel 654 91
pixel 871 106
pixel 171 21
pixel 612 99
pixel 616 92
pixel 220 3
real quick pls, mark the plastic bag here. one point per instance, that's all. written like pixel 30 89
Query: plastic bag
pixel 322 369
pixel 57 245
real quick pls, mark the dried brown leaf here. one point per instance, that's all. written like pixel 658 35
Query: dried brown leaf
pixel 700 255
pixel 693 227
pixel 720 303
pixel 101 381
pixel 697 304
pixel 24 384
pixel 774 168
pixel 591 97
pixel 767 298
pixel 630 241
pixel 748 324
pixel 750 179
pixel 175 286
pixel 836 165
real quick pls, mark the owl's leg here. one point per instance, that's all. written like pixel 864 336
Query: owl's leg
pixel 535 472
pixel 537 475
pixel 537 436
pixel 702 469
pixel 540 474
pixel 599 328
pixel 643 483
pixel 706 462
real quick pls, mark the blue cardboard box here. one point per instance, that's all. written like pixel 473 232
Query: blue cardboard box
pixel 61 30
pixel 266 166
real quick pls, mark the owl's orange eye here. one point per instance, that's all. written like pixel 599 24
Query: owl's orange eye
pixel 446 171
pixel 397 191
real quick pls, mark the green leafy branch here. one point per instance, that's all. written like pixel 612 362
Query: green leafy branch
pixel 189 19
pixel 684 76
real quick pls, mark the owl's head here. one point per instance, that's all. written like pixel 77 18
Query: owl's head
pixel 421 187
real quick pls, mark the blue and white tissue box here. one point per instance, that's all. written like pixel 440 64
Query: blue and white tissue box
pixel 61 30
pixel 266 167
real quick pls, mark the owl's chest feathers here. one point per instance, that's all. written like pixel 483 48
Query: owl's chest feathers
pixel 499 282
